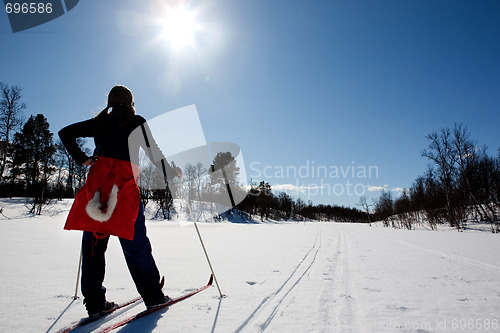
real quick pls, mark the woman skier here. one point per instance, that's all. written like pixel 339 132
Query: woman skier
pixel 109 202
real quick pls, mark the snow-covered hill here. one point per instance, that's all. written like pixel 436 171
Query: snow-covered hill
pixel 278 277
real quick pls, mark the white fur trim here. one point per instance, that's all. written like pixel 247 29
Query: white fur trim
pixel 93 207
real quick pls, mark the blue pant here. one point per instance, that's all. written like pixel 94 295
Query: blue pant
pixel 139 260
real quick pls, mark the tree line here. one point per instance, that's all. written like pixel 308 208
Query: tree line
pixel 262 203
pixel 461 183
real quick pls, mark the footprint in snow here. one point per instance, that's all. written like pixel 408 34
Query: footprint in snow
pixel 400 308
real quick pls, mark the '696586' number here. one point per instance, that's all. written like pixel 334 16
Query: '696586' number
pixel 28 8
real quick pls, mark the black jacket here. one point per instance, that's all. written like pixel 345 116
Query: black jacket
pixel 113 141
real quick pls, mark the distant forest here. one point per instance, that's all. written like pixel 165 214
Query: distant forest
pixel 462 182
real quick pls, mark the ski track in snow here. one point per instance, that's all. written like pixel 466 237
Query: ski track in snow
pixel 336 293
pixel 271 304
pixel 324 268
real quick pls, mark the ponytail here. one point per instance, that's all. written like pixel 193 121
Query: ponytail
pixel 101 120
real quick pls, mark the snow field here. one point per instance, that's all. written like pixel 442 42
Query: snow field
pixel 278 277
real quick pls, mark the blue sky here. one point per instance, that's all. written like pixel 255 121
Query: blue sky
pixel 332 85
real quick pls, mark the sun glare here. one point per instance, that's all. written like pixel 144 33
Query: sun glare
pixel 179 27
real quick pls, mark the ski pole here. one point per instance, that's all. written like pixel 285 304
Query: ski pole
pixel 78 274
pixel 204 250
pixel 201 240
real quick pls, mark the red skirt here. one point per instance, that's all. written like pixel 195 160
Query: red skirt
pixel 108 202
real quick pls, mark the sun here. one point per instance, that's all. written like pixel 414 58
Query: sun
pixel 179 27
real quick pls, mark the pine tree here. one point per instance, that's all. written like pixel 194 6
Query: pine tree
pixel 33 158
pixel 225 187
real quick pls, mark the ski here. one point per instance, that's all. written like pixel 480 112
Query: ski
pixel 147 312
pixel 89 320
